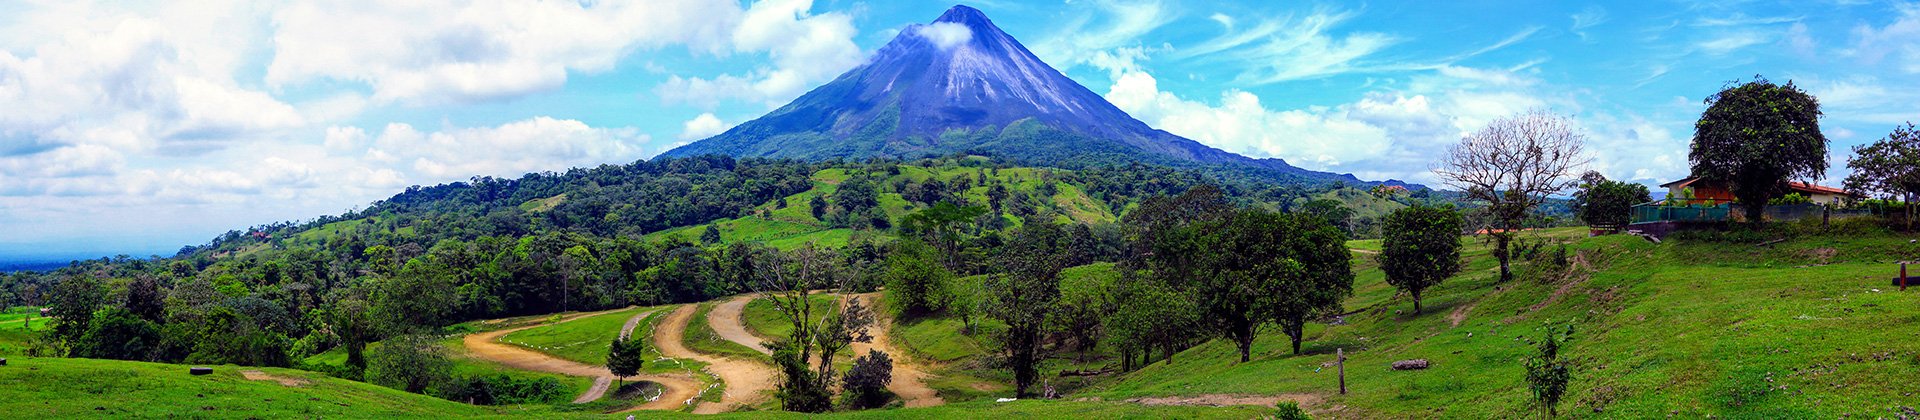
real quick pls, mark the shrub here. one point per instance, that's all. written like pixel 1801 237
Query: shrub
pixel 1290 410
pixel 866 383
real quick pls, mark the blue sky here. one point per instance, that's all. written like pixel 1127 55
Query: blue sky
pixel 139 128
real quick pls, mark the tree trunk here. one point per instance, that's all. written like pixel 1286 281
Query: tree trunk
pixel 1295 332
pixel 1505 255
pixel 1246 348
pixel 1416 301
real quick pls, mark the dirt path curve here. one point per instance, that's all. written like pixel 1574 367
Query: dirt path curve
pixel 727 323
pixel 909 378
pixel 486 346
pixel 748 382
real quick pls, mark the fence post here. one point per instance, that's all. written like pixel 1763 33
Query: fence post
pixel 1903 276
pixel 1340 358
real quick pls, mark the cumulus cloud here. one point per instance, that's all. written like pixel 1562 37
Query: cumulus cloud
pixel 703 126
pixel 945 35
pixel 507 150
pixel 1898 40
pixel 806 49
pixel 1394 133
pixel 444 50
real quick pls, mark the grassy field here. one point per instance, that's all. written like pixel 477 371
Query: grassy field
pixel 764 319
pixel 1802 328
pixel 584 340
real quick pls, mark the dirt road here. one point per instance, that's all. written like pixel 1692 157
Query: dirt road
pixel 486 346
pixel 727 323
pixel 909 378
pixel 748 382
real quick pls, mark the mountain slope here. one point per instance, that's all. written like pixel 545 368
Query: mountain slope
pixel 960 84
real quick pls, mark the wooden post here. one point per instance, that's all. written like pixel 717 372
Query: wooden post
pixel 1340 358
pixel 1903 277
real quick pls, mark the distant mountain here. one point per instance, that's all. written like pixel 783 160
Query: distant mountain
pixel 960 84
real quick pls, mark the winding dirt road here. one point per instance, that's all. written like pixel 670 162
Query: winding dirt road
pixel 748 382
pixel 727 323
pixel 909 378
pixel 487 346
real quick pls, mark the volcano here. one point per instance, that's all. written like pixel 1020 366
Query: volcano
pixel 961 85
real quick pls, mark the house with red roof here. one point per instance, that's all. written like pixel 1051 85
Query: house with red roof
pixel 1694 190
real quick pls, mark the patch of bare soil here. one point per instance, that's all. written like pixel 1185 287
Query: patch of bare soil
pixel 909 378
pixel 1221 400
pixel 748 382
pixel 254 375
pixel 1459 314
pixel 725 319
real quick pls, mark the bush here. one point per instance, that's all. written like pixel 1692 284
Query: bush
pixel 1290 410
pixel 501 389
pixel 865 385
pixel 409 362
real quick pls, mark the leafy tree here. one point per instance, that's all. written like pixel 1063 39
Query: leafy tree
pixel 1755 137
pixel 409 362
pixel 941 225
pixel 818 206
pixel 1149 315
pixel 625 358
pixel 711 236
pixel 1421 248
pixel 117 333
pixel 1889 167
pixel 1024 293
pixel 1512 165
pixel 915 278
pixel 144 299
pixel 350 322
pixel 1603 202
pixel 1334 211
pixel 74 300
pixel 1547 376
pixel 866 383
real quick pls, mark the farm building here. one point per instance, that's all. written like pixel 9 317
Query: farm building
pixel 1693 190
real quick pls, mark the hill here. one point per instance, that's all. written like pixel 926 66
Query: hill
pixel 961 85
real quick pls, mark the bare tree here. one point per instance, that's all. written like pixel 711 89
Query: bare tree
pixel 1512 165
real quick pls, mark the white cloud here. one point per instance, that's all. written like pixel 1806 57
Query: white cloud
pixel 806 49
pixel 703 126
pixel 1122 24
pixel 444 50
pixel 1898 40
pixel 1727 43
pixel 945 35
pixel 507 150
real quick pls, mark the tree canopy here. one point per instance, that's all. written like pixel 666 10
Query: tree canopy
pixel 1421 249
pixel 1757 136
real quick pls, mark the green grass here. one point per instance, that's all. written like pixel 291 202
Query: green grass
pixel 701 338
pixel 1688 327
pixel 764 319
pixel 584 340
pixel 67 388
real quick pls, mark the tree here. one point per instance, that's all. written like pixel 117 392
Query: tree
pixel 144 299
pixel 625 358
pixel 1603 202
pixel 915 278
pixel 1889 167
pixel 1023 294
pixel 350 322
pixel 75 298
pixel 1512 165
pixel 818 333
pixel 941 225
pixel 711 236
pixel 818 205
pixel 1547 376
pixel 409 362
pixel 1421 248
pixel 866 383
pixel 1757 136
pixel 119 334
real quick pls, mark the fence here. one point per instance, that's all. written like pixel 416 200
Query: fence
pixel 1659 211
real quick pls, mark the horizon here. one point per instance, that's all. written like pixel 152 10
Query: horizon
pixel 153 129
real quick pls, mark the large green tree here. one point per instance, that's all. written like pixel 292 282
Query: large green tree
pixel 1024 292
pixel 915 278
pixel 1757 136
pixel 1604 202
pixel 1254 267
pixel 1889 167
pixel 1421 248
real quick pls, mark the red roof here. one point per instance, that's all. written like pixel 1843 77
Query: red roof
pixel 1818 189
